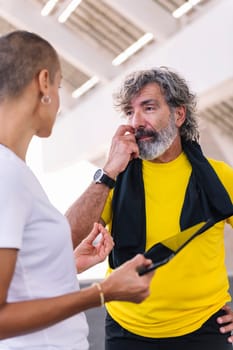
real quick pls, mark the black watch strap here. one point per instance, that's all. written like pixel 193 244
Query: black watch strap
pixel 100 177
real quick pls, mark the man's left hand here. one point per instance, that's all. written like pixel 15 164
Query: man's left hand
pixel 226 322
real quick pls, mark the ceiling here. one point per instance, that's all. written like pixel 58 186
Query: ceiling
pixel 221 115
pixel 100 30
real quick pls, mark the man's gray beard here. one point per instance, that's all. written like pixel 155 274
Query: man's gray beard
pixel 152 149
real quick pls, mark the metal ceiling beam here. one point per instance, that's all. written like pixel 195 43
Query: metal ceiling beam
pixel 148 15
pixel 25 15
pixel 221 92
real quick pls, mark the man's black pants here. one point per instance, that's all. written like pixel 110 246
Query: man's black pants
pixel 207 337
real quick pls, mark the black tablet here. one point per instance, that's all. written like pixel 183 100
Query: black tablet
pixel 164 251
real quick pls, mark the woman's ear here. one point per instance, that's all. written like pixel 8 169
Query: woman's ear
pixel 44 82
pixel 180 115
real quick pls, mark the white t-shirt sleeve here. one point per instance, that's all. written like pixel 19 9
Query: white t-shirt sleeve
pixel 15 206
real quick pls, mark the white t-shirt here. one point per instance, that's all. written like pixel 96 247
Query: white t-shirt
pixel 45 265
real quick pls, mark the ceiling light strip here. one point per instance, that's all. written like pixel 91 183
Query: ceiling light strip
pixel 85 87
pixel 187 6
pixel 145 39
pixel 48 7
pixel 68 10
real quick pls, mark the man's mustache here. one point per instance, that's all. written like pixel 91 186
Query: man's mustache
pixel 145 133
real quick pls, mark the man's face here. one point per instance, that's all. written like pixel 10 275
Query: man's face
pixel 150 116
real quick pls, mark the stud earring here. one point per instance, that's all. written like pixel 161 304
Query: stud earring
pixel 46 99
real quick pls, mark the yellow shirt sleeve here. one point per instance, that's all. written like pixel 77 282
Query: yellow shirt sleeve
pixel 225 173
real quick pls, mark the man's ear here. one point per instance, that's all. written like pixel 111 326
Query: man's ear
pixel 180 115
pixel 44 82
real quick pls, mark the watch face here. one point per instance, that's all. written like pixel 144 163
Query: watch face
pixel 98 174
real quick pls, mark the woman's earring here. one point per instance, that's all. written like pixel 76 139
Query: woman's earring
pixel 46 99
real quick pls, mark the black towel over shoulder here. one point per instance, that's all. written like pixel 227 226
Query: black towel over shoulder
pixel 205 198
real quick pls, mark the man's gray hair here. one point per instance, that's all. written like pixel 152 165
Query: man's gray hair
pixel 174 89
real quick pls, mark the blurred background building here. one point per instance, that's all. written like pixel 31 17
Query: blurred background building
pixel 99 42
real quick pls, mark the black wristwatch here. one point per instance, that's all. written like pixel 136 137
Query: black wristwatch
pixel 100 177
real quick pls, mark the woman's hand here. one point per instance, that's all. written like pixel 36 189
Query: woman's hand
pixel 94 248
pixel 125 284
